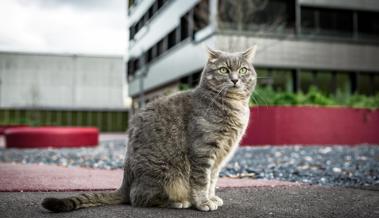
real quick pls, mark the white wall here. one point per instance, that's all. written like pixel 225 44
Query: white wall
pixel 62 81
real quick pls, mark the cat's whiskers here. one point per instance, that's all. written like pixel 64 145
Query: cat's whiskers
pixel 261 97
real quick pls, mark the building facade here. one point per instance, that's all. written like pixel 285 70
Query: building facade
pixel 331 44
pixel 63 89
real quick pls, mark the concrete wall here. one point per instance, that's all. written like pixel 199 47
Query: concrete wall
pixel 62 81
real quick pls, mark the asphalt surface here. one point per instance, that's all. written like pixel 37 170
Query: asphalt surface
pixel 303 201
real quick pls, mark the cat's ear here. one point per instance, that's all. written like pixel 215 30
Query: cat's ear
pixel 249 54
pixel 213 54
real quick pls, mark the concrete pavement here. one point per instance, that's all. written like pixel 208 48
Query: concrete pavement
pixel 37 178
pixel 282 201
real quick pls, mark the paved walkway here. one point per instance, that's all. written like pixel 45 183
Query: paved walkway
pixel 295 201
pixel 22 188
pixel 34 177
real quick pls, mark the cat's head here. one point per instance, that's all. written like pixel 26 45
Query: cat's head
pixel 230 72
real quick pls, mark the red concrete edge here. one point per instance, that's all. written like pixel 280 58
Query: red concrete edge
pixel 51 178
pixel 5 127
pixel 311 125
pixel 56 137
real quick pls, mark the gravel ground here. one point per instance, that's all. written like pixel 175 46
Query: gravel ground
pixel 336 165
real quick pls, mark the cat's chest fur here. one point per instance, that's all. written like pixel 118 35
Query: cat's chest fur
pixel 224 127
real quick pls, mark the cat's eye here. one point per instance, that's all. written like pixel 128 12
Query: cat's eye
pixel 223 70
pixel 243 70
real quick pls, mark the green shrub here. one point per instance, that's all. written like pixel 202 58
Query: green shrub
pixel 267 96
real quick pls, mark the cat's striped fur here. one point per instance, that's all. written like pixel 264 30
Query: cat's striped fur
pixel 178 144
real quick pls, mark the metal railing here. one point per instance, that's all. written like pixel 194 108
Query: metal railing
pixel 105 120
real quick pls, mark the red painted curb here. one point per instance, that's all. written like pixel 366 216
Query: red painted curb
pixel 5 127
pixel 286 125
pixel 35 178
pixel 57 137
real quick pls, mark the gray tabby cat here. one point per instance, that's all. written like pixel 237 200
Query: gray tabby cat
pixel 178 144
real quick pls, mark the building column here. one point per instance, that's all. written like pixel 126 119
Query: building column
pixel 297 18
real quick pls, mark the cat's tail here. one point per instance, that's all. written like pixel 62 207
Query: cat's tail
pixel 82 201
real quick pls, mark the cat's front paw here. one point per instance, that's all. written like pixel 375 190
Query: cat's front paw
pixel 217 200
pixel 207 205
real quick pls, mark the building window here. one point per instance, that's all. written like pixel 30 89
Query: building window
pixel 149 57
pixel 365 83
pixel 343 83
pixel 161 48
pixel 324 81
pixel 132 32
pixel 172 38
pixel 273 15
pixel 184 27
pixel 281 80
pixel 306 80
pixel 201 15
pixel 376 83
pixel 368 24
pixel 146 17
pixel 133 66
pixel 324 21
pixel 336 21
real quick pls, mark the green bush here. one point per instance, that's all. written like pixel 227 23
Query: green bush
pixel 267 96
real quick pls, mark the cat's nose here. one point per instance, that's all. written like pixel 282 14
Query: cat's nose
pixel 234 81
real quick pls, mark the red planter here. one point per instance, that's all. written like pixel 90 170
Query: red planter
pixel 282 125
pixel 57 137
pixel 4 127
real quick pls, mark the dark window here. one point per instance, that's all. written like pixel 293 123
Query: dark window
pixel 149 56
pixel 273 15
pixel 171 39
pixel 327 21
pixel 368 24
pixel 154 51
pixel 150 12
pixel 184 27
pixel 130 68
pixel 139 25
pixel 281 80
pixel 307 79
pixel 324 81
pixel 160 3
pixel 136 64
pixel 132 32
pixel 160 47
pixel 148 15
pixel 309 19
pixel 343 83
pixel 376 83
pixel 336 21
pixel 145 18
pixel 133 66
pixel 365 83
pixel 201 15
